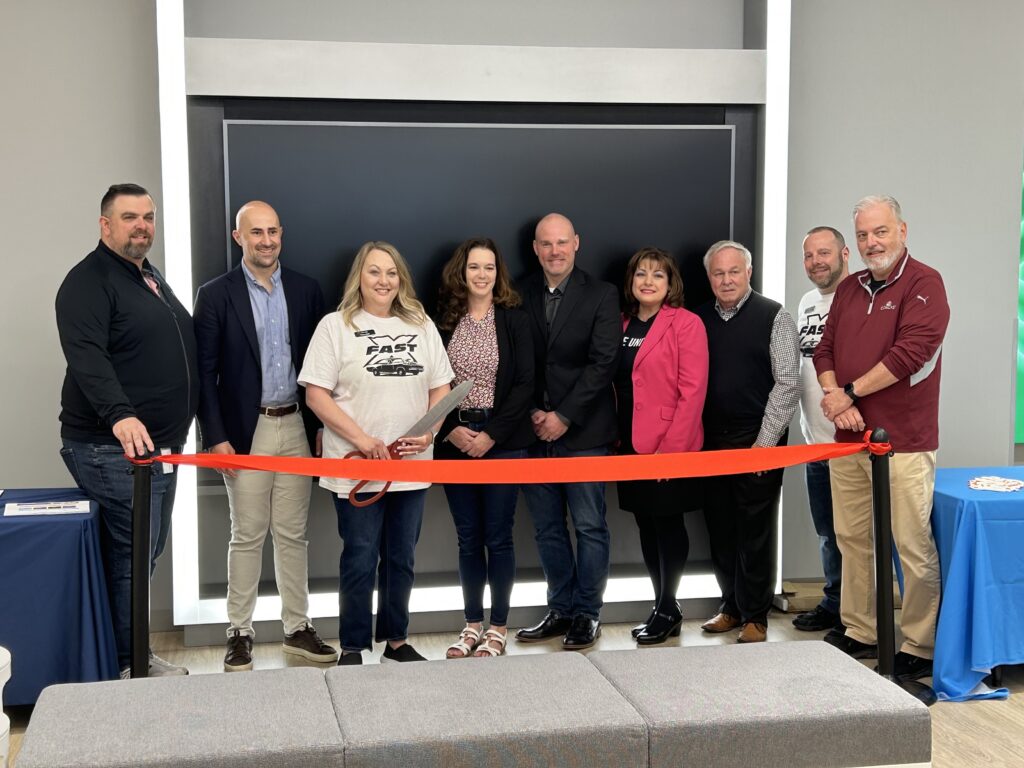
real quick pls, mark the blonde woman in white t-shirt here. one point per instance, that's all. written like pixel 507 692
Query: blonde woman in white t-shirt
pixel 373 368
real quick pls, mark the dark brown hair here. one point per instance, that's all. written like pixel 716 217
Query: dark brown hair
pixel 662 260
pixel 452 301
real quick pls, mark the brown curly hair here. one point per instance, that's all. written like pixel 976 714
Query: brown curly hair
pixel 662 260
pixel 452 301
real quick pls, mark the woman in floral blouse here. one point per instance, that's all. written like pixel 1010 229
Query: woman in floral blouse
pixel 488 341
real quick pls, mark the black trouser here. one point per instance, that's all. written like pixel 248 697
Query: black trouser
pixel 741 513
pixel 665 546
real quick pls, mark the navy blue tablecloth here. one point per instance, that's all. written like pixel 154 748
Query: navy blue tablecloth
pixel 54 613
pixel 980 538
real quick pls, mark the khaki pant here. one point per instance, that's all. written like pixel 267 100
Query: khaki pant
pixel 912 480
pixel 267 501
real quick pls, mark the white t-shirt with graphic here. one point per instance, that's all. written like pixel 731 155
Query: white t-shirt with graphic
pixel 810 322
pixel 380 371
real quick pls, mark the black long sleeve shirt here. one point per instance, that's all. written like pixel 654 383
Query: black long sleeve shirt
pixel 129 352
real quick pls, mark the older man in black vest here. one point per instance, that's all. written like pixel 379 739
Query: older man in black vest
pixel 753 392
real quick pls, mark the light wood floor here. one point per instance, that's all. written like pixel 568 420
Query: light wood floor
pixel 977 733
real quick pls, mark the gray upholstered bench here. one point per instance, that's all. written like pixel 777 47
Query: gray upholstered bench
pixel 791 704
pixel 535 710
pixel 278 719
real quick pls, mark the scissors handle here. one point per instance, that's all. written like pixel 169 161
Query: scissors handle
pixel 393 450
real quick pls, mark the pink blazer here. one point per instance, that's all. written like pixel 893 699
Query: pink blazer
pixel 670 381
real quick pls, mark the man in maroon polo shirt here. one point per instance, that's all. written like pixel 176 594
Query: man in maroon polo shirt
pixel 879 363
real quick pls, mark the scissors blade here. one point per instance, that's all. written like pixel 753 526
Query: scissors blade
pixel 442 408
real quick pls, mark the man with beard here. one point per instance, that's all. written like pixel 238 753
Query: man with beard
pixel 825 261
pixel 879 363
pixel 130 388
pixel 253 325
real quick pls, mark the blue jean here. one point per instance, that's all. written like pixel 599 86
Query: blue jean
pixel 819 497
pixel 576 584
pixel 105 475
pixel 484 516
pixel 379 538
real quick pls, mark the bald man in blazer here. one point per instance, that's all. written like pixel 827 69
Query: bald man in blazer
pixel 574 319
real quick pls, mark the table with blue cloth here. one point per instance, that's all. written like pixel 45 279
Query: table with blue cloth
pixel 54 612
pixel 980 538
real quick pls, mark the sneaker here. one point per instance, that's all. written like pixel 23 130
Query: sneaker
pixel 852 648
pixel 238 657
pixel 307 643
pixel 404 652
pixel 910 667
pixel 350 659
pixel 162 668
pixel 816 620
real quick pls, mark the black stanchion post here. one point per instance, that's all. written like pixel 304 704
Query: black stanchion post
pixel 882 507
pixel 142 469
pixel 884 616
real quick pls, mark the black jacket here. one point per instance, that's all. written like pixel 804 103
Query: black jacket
pixel 576 362
pixel 230 372
pixel 129 353
pixel 509 426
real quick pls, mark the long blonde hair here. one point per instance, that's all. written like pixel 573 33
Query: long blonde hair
pixel 406 305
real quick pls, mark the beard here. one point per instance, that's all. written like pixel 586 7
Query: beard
pixel 136 251
pixel 825 280
pixel 883 262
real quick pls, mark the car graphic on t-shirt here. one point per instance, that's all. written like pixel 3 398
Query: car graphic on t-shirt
pixel 395 366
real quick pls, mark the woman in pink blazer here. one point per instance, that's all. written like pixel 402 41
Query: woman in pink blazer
pixel 660 387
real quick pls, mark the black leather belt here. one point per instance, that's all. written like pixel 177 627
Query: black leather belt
pixel 474 415
pixel 278 410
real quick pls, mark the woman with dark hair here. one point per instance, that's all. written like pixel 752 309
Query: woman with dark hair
pixel 660 387
pixel 374 367
pixel 488 341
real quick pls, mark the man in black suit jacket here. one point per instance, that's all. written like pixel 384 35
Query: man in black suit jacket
pixel 252 327
pixel 576 337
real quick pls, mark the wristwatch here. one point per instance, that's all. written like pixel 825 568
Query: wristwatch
pixel 848 389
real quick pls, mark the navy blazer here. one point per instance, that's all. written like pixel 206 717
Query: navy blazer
pixel 230 374
pixel 576 361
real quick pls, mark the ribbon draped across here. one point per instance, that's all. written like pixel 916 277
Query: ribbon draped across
pixel 563 470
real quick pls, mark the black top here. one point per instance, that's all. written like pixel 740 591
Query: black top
pixel 740 377
pixel 575 359
pixel 129 353
pixel 632 338
pixel 509 426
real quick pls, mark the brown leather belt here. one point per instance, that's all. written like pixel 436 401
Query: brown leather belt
pixel 277 411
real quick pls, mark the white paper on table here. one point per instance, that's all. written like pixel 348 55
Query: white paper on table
pixel 14 509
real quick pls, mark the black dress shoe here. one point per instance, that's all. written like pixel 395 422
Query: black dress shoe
pixel 582 634
pixel 816 620
pixel 635 631
pixel 661 628
pixel 906 667
pixel 550 626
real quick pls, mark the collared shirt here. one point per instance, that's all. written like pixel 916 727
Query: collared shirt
pixel 270 312
pixel 784 349
pixel 553 299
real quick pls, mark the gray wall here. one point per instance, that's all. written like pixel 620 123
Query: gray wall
pixel 921 100
pixel 80 113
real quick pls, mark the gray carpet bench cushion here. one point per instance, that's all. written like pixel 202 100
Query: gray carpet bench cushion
pixel 279 718
pixel 791 704
pixel 535 710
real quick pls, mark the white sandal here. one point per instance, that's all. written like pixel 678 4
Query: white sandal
pixel 492 645
pixel 468 640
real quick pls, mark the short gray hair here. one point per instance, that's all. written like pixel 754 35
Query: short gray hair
pixel 870 200
pixel 721 245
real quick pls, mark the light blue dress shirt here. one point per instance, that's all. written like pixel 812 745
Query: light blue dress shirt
pixel 270 311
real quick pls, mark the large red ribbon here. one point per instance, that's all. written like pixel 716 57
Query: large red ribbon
pixel 566 470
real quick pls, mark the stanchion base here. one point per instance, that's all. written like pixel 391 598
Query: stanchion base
pixel 919 691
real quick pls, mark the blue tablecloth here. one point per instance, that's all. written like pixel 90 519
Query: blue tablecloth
pixel 54 613
pixel 980 538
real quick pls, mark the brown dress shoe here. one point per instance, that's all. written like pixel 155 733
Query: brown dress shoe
pixel 753 632
pixel 720 622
